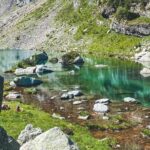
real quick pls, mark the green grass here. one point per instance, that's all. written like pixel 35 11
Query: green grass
pixel 14 122
pixel 140 20
pixel 86 18
pixel 146 132
pixel 37 13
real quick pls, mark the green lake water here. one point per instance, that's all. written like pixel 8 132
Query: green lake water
pixel 120 79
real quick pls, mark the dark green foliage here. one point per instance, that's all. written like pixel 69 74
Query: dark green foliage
pixel 125 14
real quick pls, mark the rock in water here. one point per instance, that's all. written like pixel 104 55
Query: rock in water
pixel 53 139
pixel 72 58
pixel 42 69
pixel 26 81
pixel 7 142
pixel 129 99
pixel 145 72
pixel 26 71
pixel 29 133
pixel 34 60
pixel 78 60
pixel 71 94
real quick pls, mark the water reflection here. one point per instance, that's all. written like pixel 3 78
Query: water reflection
pixel 120 79
pixel 9 57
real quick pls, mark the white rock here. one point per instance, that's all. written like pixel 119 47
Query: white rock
pixel 57 116
pixel 27 71
pixel 13 96
pixel 105 118
pixel 29 133
pixel 129 99
pixel 53 139
pixel 145 72
pixel 77 102
pixel 148 127
pixel 83 117
pixel 101 108
pixel 75 93
pixel 103 100
pixel 145 57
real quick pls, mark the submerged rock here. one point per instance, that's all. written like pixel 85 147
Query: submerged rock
pixel 53 139
pixel 29 133
pixel 26 81
pixel 101 66
pixel 53 60
pixel 7 142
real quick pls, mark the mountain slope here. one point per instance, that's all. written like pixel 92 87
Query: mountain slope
pixel 63 25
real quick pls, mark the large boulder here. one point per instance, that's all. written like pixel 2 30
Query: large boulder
pixel 53 139
pixel 25 82
pixel 72 58
pixel 29 133
pixel 7 142
pixel 100 108
pixel 136 30
pixel 34 60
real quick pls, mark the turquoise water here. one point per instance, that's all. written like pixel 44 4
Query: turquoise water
pixel 120 79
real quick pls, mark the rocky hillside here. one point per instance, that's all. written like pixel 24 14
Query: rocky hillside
pixel 62 25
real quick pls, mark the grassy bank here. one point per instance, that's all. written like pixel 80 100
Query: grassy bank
pixel 92 26
pixel 14 122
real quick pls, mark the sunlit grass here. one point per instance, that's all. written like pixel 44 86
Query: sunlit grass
pixel 14 122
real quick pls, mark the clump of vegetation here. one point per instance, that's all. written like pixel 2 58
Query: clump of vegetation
pixel 146 132
pixel 116 122
pixel 84 113
pixel 125 14
pixel 30 90
pixel 32 115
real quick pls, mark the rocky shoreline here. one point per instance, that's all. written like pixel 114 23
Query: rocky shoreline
pixel 102 116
